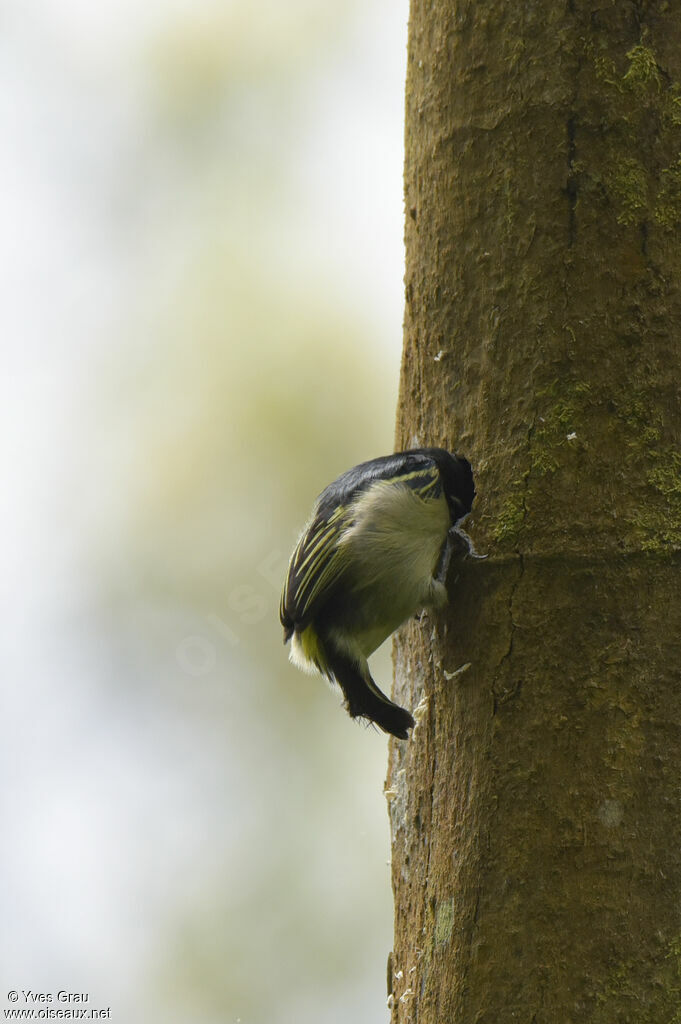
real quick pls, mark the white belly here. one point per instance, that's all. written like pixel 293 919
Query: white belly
pixel 396 541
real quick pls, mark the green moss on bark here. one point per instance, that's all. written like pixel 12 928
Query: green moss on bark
pixel 649 992
pixel 509 521
pixel 641 170
pixel 655 522
pixel 444 922
pixel 561 408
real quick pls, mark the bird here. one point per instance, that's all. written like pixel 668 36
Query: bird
pixel 374 552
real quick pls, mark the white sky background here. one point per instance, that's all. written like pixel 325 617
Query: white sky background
pixel 99 786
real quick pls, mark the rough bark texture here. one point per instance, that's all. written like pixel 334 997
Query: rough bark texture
pixel 536 813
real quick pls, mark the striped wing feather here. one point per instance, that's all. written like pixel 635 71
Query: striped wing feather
pixel 315 564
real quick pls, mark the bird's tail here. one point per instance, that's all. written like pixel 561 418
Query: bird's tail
pixel 363 699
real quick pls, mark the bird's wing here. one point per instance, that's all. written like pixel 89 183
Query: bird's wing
pixel 315 564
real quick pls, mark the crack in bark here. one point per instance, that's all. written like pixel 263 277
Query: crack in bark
pixel 501 697
pixel 571 184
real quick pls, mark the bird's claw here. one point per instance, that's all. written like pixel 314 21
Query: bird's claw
pixel 462 545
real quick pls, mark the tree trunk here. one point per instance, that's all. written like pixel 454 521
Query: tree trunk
pixel 536 813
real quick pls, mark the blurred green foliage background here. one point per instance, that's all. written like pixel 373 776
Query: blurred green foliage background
pixel 202 253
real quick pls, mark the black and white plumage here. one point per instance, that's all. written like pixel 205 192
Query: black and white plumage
pixel 374 552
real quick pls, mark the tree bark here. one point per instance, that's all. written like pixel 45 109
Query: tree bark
pixel 536 813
